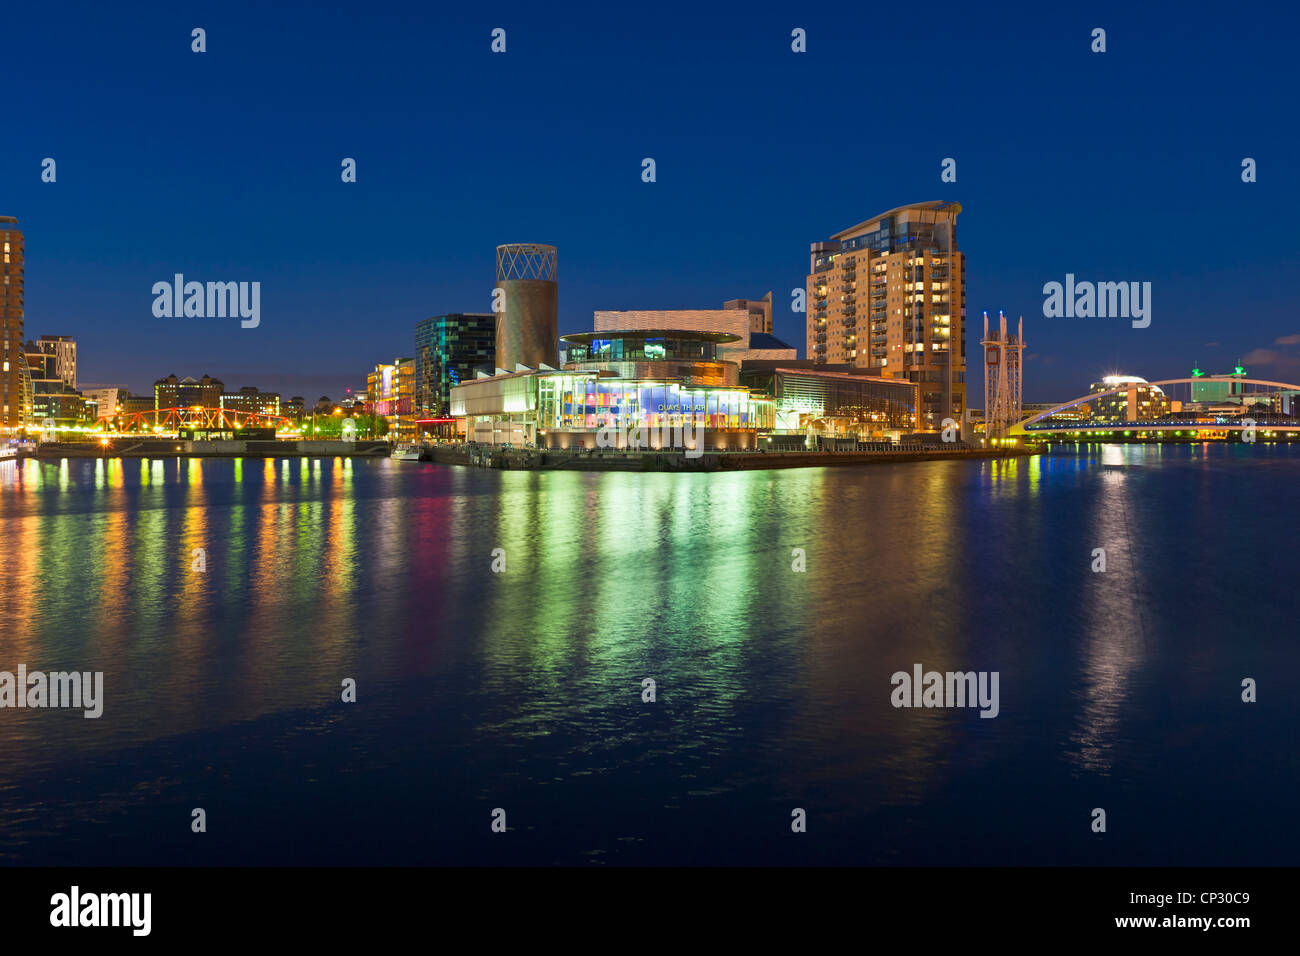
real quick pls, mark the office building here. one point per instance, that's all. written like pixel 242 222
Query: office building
pixel 252 401
pixel 1216 387
pixel 760 312
pixel 390 394
pixel 110 400
pixel 171 392
pixel 889 295
pixel 136 404
pixel 449 349
pixel 15 395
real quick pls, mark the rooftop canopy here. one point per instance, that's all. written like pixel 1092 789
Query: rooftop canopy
pixel 680 335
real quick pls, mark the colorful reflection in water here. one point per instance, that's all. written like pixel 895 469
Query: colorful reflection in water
pixel 226 601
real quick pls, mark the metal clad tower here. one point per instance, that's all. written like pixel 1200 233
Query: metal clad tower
pixel 527 324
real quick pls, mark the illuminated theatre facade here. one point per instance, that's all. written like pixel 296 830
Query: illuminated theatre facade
pixel 661 386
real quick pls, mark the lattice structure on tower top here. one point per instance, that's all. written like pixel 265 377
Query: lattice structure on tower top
pixel 525 260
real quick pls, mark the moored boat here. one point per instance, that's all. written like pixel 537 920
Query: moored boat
pixel 406 452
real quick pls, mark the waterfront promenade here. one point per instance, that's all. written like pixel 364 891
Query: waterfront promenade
pixel 618 460
pixel 177 448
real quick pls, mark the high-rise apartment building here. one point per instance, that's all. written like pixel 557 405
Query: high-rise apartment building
pixel 889 295
pixel 15 398
pixel 64 350
pixel 52 399
pixel 448 350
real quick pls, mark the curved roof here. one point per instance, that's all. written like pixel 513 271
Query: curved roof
pixel 1123 380
pixel 586 338
pixel 934 204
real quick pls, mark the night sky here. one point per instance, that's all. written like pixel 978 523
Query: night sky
pixel 225 166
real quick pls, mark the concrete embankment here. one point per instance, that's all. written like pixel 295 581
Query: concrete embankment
pixel 173 448
pixel 612 460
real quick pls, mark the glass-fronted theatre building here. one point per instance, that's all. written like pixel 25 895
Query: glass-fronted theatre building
pixel 662 380
pixel 655 381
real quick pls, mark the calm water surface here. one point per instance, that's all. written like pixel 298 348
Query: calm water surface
pixel 522 689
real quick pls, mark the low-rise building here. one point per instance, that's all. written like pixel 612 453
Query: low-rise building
pixel 760 313
pixel 173 392
pixel 110 400
pixel 621 387
pixel 252 401
pixel 834 401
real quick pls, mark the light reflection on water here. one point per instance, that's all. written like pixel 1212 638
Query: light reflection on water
pixel 476 687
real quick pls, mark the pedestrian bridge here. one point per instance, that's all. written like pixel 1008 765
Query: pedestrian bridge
pixel 1267 407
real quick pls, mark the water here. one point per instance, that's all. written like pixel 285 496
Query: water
pixel 522 689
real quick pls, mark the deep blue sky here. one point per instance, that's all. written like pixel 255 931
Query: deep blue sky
pixel 225 166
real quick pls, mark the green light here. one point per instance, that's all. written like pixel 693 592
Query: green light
pixel 1239 371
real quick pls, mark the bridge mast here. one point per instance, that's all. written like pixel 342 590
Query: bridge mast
pixel 1003 377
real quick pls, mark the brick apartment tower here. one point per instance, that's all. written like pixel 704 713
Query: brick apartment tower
pixel 14 387
pixel 889 295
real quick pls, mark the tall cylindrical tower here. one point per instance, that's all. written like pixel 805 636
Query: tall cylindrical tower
pixel 528 322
